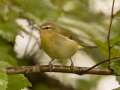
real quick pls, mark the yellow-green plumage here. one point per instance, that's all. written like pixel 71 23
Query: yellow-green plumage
pixel 57 46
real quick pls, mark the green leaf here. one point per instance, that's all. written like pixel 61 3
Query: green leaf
pixel 115 65
pixel 58 3
pixel 81 11
pixel 8 15
pixel 118 13
pixel 118 79
pixel 87 84
pixel 115 41
pixel 103 47
pixel 7 54
pixel 37 8
pixel 17 82
pixel 117 88
pixel 41 86
pixel 8 31
pixel 3 75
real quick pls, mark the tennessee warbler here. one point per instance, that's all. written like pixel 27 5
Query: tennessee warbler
pixel 56 45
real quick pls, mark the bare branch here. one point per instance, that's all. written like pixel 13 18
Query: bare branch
pixel 56 68
pixel 62 69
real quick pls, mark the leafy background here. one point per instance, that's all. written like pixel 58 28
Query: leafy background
pixel 77 16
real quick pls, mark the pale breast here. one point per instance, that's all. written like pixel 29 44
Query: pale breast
pixel 58 46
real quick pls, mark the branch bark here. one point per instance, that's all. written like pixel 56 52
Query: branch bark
pixel 57 68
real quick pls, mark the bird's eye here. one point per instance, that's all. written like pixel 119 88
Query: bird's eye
pixel 47 27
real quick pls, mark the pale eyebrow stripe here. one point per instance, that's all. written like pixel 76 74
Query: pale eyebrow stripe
pixel 46 27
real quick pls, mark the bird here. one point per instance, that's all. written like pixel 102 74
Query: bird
pixel 56 45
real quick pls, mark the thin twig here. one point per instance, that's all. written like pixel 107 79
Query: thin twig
pixel 33 47
pixel 28 43
pixel 107 60
pixel 29 33
pixel 30 37
pixel 108 36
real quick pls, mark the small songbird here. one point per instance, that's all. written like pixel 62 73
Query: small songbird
pixel 56 45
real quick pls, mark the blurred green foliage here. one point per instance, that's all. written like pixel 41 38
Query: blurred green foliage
pixel 3 75
pixel 17 82
pixel 73 15
pixel 117 89
pixel 85 84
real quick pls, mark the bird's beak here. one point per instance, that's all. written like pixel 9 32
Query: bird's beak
pixel 37 27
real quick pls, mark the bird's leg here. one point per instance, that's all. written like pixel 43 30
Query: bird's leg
pixel 72 64
pixel 51 65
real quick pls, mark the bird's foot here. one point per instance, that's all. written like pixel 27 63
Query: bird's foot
pixel 72 65
pixel 50 65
